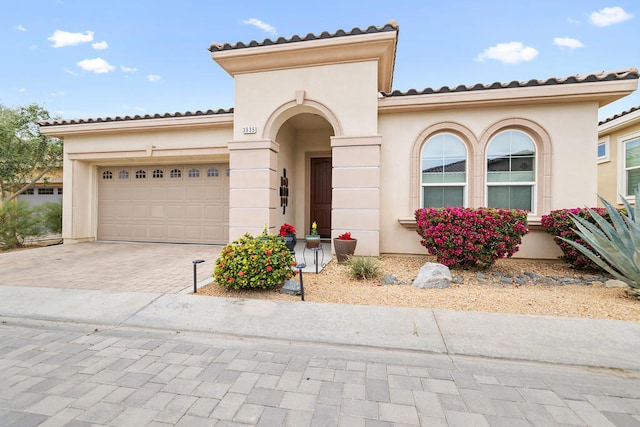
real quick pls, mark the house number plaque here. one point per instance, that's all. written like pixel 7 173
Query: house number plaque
pixel 249 129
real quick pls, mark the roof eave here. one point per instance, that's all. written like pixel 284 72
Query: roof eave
pixel 620 122
pixel 603 92
pixel 155 124
pixel 379 47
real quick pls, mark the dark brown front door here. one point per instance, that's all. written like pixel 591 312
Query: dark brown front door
pixel 320 209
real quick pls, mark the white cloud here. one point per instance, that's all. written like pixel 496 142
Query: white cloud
pixel 508 53
pixel 63 38
pixel 153 78
pixel 57 93
pixel 128 69
pixel 96 65
pixel 19 28
pixel 262 25
pixel 99 45
pixel 609 16
pixel 22 90
pixel 71 72
pixel 567 42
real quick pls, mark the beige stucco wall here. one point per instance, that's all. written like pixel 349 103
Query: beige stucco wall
pixel 610 171
pixel 346 90
pixel 84 153
pixel 569 165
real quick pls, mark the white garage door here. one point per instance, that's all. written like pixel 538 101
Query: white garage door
pixel 168 203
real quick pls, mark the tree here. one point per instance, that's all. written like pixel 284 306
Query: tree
pixel 26 155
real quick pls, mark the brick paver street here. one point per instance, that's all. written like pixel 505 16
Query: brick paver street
pixel 64 374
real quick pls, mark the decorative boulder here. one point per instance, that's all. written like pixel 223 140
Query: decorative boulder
pixel 290 287
pixel 433 275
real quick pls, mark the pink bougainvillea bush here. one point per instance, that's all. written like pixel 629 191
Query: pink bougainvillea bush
pixel 249 262
pixel 559 224
pixel 463 237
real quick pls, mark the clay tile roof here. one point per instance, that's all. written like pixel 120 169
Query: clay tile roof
pixel 630 73
pixel 60 122
pixel 390 26
pixel 617 116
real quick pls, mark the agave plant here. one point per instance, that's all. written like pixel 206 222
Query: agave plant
pixel 616 248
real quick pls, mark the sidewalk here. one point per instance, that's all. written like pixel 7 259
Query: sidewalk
pixel 583 342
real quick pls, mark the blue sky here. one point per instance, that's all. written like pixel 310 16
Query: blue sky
pixel 82 59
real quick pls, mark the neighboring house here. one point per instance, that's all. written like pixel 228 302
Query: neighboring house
pixel 318 134
pixel 46 189
pixel 619 156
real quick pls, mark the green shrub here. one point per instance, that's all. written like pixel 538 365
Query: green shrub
pixel 18 221
pixel 560 225
pixel 262 262
pixel 51 214
pixel 614 246
pixel 465 236
pixel 363 267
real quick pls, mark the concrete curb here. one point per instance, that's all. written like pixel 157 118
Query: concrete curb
pixel 584 342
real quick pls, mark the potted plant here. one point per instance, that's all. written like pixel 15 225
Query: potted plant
pixel 313 239
pixel 288 233
pixel 345 246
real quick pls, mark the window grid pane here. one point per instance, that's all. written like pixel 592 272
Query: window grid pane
pixel 442 196
pixel 511 160
pixel 443 161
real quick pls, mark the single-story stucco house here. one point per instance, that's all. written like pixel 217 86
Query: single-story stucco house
pixel 619 156
pixel 317 133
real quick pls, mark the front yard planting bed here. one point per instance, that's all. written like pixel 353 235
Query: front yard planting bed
pixel 549 289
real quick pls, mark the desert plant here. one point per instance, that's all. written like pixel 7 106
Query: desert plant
pixel 559 224
pixel 51 215
pixel 249 262
pixel 616 245
pixel 18 221
pixel 363 267
pixel 466 237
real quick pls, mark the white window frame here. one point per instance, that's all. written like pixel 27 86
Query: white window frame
pixel 533 184
pixel 464 185
pixel 604 141
pixel 622 170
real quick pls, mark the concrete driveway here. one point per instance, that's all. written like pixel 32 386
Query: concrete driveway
pixel 135 267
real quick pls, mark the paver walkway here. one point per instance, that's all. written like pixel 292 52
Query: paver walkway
pixel 134 267
pixel 55 374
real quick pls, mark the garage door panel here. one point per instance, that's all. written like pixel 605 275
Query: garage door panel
pixel 157 211
pixel 140 212
pixel 178 209
pixel 193 212
pixel 175 212
pixel 176 193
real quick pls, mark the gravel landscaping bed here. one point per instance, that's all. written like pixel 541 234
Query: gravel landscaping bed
pixel 510 286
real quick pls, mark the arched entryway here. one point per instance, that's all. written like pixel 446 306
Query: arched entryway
pixel 304 164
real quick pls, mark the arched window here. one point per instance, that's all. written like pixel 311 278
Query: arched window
pixel 212 172
pixel 107 175
pixel 194 173
pixel 141 174
pixel 443 171
pixel 123 174
pixel 511 158
pixel 158 173
pixel 175 173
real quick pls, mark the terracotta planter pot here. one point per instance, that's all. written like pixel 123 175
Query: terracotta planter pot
pixel 312 241
pixel 344 249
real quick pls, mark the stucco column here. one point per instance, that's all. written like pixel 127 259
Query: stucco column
pixel 252 187
pixel 356 191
